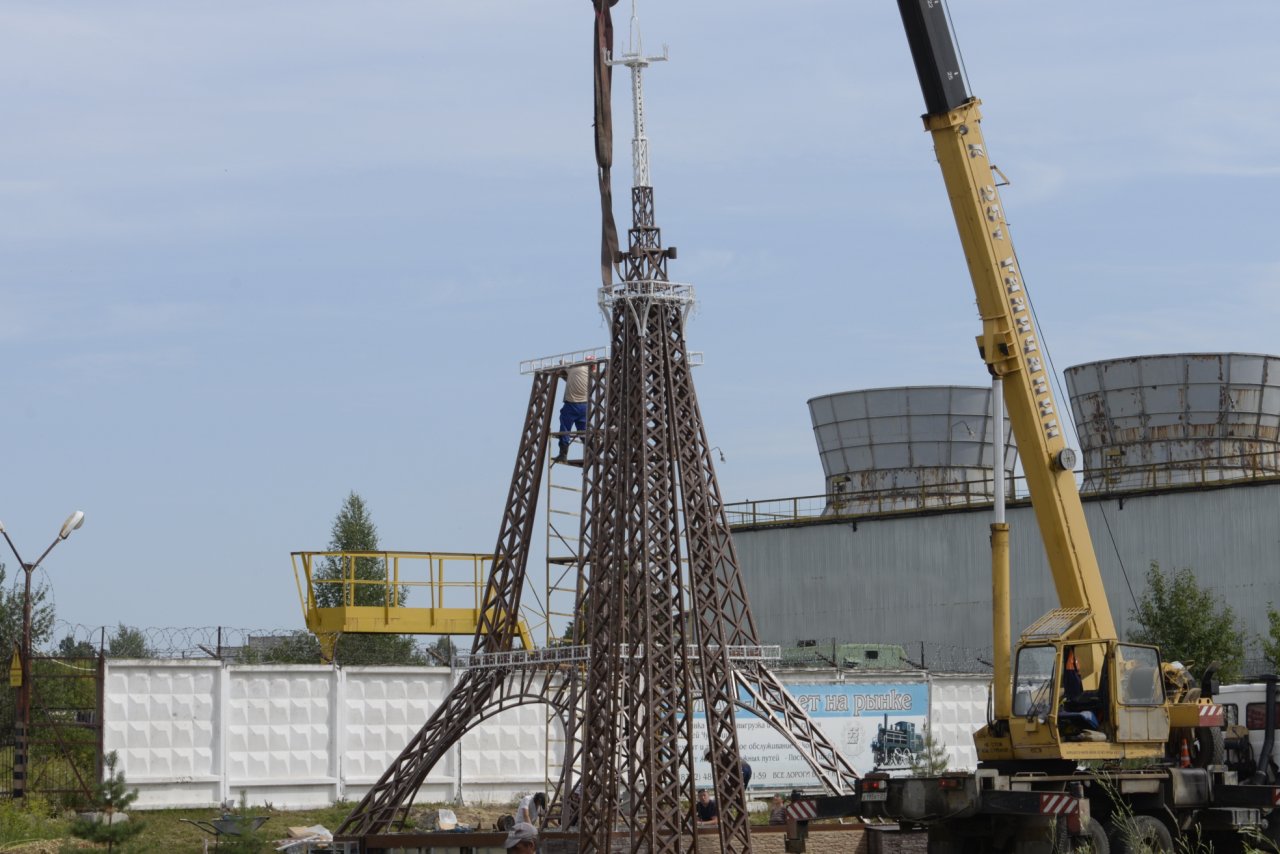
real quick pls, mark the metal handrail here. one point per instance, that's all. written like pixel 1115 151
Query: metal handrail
pixel 979 492
pixel 556 654
pixel 394 582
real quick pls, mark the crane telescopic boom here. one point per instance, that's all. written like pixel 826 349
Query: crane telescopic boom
pixel 1009 343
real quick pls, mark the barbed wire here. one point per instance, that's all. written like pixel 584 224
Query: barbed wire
pixel 230 643
pixel 847 655
pixel 300 646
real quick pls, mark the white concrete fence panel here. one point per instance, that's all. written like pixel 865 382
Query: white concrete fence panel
pixel 197 733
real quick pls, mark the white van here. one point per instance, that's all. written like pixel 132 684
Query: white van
pixel 1246 705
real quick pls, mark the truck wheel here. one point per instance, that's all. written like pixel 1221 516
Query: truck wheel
pixel 1211 747
pixel 1140 834
pixel 1270 841
pixel 1206 746
pixel 1092 841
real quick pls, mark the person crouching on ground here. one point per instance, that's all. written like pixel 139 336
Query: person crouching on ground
pixel 706 809
pixel 531 808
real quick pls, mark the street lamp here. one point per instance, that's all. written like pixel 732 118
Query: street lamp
pixel 22 722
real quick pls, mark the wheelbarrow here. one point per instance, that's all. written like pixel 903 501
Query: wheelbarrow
pixel 227 825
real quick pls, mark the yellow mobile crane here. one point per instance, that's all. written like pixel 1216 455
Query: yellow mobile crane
pixel 1117 702
pixel 1071 693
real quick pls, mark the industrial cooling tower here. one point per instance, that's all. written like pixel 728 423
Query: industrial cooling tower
pixel 907 448
pixel 1185 418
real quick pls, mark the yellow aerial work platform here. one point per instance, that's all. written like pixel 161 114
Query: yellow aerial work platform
pixel 353 592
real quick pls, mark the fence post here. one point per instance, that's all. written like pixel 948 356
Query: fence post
pixel 220 709
pixel 337 732
pixel 100 711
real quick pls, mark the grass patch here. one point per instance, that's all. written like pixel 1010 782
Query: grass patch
pixel 40 828
pixel 36 820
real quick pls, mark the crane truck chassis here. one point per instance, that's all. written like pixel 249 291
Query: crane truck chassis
pixel 1105 809
pixel 1233 806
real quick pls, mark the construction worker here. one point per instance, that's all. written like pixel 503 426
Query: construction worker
pixel 522 838
pixel 1072 684
pixel 573 415
pixel 531 808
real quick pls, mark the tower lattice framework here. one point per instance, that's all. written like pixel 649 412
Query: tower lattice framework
pixel 666 613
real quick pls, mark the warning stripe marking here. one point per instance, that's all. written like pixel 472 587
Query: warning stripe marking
pixel 1058 804
pixel 802 810
pixel 1211 715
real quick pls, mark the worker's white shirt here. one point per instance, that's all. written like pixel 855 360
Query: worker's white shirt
pixel 576 390
pixel 527 811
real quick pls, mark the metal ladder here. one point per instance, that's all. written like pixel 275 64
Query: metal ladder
pixel 567 507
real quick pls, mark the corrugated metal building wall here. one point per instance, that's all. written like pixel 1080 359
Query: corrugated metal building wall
pixel 926 578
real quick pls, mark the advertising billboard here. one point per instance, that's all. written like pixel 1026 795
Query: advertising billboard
pixel 875 725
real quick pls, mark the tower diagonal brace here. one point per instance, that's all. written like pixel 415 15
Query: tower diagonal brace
pixel 661 678
pixel 717 581
pixel 763 694
pixel 710 558
pixel 391 796
pixel 389 801
pixel 500 613
pixel 603 711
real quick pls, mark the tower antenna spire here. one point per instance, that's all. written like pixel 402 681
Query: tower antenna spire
pixel 635 59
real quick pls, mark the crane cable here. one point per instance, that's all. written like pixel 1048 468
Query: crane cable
pixel 1068 423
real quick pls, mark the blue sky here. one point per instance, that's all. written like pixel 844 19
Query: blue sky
pixel 254 256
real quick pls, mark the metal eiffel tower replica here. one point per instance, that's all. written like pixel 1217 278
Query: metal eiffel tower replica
pixel 667 621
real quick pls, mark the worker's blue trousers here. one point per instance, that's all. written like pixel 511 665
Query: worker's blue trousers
pixel 573 416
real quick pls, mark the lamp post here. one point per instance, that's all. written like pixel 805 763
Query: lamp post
pixel 22 716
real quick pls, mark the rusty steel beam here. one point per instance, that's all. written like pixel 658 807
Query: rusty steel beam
pixel 657 574
pixel 392 795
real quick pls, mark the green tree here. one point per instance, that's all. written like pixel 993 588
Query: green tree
pixel 11 614
pixel 442 651
pixel 128 642
pixel 575 633
pixel 932 760
pixel 113 799
pixel 354 531
pixel 298 647
pixel 374 649
pixel 1189 623
pixel 69 647
pixel 1271 644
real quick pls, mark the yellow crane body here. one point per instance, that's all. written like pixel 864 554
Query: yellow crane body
pixel 1073 691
